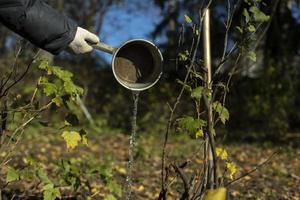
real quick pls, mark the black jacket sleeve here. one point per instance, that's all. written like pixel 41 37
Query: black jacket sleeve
pixel 39 23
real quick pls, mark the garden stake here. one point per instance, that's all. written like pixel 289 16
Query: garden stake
pixel 211 167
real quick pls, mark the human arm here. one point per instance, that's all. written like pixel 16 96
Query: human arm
pixel 44 26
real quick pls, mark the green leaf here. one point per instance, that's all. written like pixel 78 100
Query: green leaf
pixel 65 76
pixel 191 125
pixel 74 181
pixel 58 101
pixel 71 173
pixel 62 74
pixel 72 138
pixel 114 188
pixel 50 192
pixel 30 161
pixel 12 175
pixel 48 186
pixel 44 65
pixel 49 88
pixel 213 131
pixel 105 172
pixel 110 197
pixel 217 194
pixel 258 15
pixel 183 57
pixel 246 15
pixel 249 2
pixel 42 175
pixel 251 28
pixel 65 165
pixel 71 88
pixel 188 19
pixel 222 111
pixel 197 92
pixel 239 29
pixel 252 56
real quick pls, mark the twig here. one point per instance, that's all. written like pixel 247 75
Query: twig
pixel 3 83
pixel 253 170
pixel 226 37
pixel 184 179
pixel 20 77
pixel 268 25
pixel 21 128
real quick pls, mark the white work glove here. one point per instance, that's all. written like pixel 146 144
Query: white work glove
pixel 83 41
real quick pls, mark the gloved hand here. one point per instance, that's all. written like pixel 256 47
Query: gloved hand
pixel 83 41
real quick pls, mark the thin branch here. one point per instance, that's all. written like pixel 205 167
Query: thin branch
pixel 253 170
pixel 226 37
pixel 22 75
pixel 268 25
pixel 22 128
pixel 4 82
pixel 185 181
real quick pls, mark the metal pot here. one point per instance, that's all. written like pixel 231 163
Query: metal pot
pixel 137 64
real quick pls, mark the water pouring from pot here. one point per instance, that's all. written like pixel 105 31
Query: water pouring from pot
pixel 137 64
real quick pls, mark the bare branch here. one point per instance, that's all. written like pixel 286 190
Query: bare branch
pixel 21 76
pixel 253 170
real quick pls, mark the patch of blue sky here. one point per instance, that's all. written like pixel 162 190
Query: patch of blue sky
pixel 129 20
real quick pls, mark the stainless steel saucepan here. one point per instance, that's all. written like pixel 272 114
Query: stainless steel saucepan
pixel 137 64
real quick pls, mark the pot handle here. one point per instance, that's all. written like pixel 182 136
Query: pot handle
pixel 104 47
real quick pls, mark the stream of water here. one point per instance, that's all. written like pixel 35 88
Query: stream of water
pixel 130 164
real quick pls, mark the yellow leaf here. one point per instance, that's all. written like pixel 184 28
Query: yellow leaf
pixel 222 153
pixel 67 123
pixel 199 134
pixel 121 170
pixel 141 188
pixel 72 139
pixel 232 168
pixel 85 140
pixel 188 19
pixel 94 190
pixel 217 194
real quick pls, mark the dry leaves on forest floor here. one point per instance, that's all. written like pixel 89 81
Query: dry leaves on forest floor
pixel 279 179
